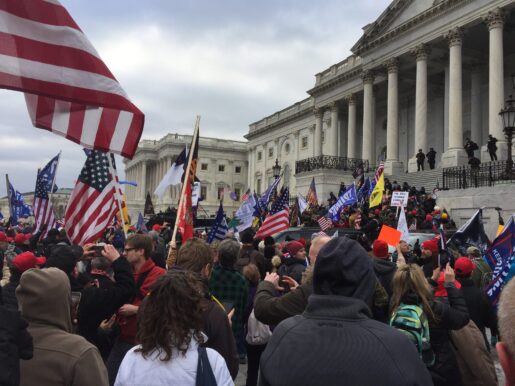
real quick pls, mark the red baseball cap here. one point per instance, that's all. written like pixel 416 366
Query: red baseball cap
pixel 3 237
pixel 380 249
pixel 19 239
pixel 432 245
pixel 27 260
pixel 464 266
pixel 156 227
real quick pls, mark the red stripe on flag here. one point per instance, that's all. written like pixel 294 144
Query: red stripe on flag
pixel 106 128
pixel 76 121
pixel 45 111
pixel 39 11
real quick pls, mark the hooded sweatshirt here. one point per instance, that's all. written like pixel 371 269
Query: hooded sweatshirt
pixel 60 357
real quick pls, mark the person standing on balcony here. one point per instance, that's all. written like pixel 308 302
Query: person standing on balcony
pixel 469 147
pixel 492 147
pixel 431 158
pixel 420 160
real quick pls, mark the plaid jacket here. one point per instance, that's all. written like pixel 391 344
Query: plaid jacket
pixel 228 285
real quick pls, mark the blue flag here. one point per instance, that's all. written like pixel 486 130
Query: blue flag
pixel 46 176
pixel 132 183
pixel 500 256
pixel 348 197
pixel 1 216
pixel 364 190
pixel 140 225
pixel 372 186
pixel 265 198
pixel 17 205
pixel 219 228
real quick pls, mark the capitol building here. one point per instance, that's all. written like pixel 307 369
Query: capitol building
pixel 425 74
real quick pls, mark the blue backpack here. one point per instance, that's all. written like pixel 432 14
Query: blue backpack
pixel 411 320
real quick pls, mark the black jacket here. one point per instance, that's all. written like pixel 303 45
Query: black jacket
pixel 384 271
pixel 15 344
pixel 335 342
pixel 101 303
pixel 248 255
pixel 9 291
pixel 293 268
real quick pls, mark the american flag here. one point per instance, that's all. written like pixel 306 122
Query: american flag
pixel 68 88
pixel 413 226
pixel 277 219
pixel 92 204
pixel 263 201
pixel 219 228
pixel 311 197
pixel 357 221
pixel 245 196
pixel 379 171
pixel 324 223
pixel 42 207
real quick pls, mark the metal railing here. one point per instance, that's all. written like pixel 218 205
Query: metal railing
pixel 486 174
pixel 330 162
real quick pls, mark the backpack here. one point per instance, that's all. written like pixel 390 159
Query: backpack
pixel 411 320
pixel 245 260
pixel 257 333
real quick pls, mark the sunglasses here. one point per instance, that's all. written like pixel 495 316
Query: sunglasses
pixel 126 250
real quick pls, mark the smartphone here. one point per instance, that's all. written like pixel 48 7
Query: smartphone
pixel 76 296
pixel 284 284
pixel 228 306
pixel 98 248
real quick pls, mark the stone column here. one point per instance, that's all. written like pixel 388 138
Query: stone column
pixel 144 178
pixel 475 106
pixel 367 152
pixel 333 137
pixel 455 154
pixel 317 138
pixel 495 22
pixel 392 164
pixel 250 176
pixel 296 144
pixel 420 53
pixel 351 128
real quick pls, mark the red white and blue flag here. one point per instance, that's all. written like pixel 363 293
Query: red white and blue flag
pixel 278 218
pixel 68 88
pixel 42 207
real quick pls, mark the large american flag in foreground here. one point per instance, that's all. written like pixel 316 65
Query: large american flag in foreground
pixel 92 204
pixel 277 219
pixel 68 88
pixel 42 207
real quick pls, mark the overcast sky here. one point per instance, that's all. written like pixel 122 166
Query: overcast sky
pixel 233 62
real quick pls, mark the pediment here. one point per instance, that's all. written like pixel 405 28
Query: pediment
pixel 395 15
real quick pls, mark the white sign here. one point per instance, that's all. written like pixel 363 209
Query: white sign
pixel 399 199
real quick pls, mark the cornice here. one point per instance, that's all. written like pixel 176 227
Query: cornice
pixel 436 10
pixel 271 126
pixel 330 84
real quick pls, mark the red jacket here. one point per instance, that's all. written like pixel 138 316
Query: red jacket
pixel 128 323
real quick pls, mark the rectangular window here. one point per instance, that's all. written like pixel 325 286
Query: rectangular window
pixel 221 168
pixel 203 192
pixel 304 142
pixel 270 152
pixel 203 166
pixel 237 192
pixel 220 192
pixel 259 155
pixel 258 186
pixel 237 169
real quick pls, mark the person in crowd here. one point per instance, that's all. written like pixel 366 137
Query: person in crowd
pixel 170 338
pixel 269 308
pixel 411 287
pixel 249 255
pixel 383 267
pixel 474 163
pixel 480 308
pixel 254 351
pixel 159 253
pixel 60 357
pixel 19 264
pixel 420 160
pixel 15 344
pixel 337 331
pixel 7 253
pixel 506 347
pixel 429 256
pixel 228 285
pixel 195 255
pixel 295 264
pixel 404 249
pixel 66 257
pixel 431 158
pixel 104 296
pixel 137 251
pixel 482 273
pixel 491 146
pixel 470 146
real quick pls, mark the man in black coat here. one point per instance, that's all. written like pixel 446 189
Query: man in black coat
pixel 335 341
pixel 491 145
pixel 383 267
pixel 431 158
pixel 420 160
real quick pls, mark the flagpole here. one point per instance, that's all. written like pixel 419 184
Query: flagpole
pixel 7 185
pixel 183 189
pixel 53 180
pixel 117 192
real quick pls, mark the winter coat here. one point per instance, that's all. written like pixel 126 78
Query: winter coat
pixel 128 323
pixel 60 357
pixel 9 291
pixel 336 342
pixel 101 303
pixel 384 270
pixel 292 267
pixel 248 255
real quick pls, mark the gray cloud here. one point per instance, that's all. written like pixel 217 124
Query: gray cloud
pixel 232 61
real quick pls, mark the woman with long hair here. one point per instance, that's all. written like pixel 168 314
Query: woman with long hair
pixel 169 335
pixel 410 287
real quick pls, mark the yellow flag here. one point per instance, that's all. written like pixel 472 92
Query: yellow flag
pixel 377 194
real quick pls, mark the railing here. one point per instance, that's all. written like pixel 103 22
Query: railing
pixel 487 174
pixel 330 162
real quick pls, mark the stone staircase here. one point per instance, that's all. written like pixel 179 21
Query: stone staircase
pixel 427 179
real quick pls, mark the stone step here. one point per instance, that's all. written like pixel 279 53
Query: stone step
pixel 427 179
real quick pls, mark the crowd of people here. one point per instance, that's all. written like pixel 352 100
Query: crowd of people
pixel 144 310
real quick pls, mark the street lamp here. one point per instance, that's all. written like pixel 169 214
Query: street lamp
pixel 276 169
pixel 508 119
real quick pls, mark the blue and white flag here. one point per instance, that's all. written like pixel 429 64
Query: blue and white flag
pixel 1 216
pixel 245 214
pixel 363 192
pixel 501 256
pixel 348 197
pixel 265 198
pixel 47 174
pixel 140 225
pixel 302 203
pixel 219 228
pixel 17 205
pixel 174 175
